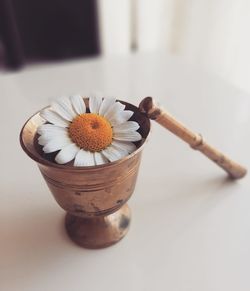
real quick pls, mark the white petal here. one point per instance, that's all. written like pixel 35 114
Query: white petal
pixel 100 158
pixel 114 110
pixel 51 128
pixel 43 139
pixel 84 158
pixel 106 105
pixel 126 126
pixel 126 146
pixel 50 131
pixel 67 154
pixel 55 144
pixel 127 136
pixel 78 104
pixel 49 135
pixel 64 108
pixel 113 154
pixel 121 117
pixel 54 118
pixel 94 104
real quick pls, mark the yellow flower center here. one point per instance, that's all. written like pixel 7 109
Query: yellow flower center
pixel 91 132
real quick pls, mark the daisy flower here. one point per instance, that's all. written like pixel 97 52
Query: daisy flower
pixel 90 136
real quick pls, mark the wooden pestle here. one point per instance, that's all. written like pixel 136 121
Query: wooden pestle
pixel 154 112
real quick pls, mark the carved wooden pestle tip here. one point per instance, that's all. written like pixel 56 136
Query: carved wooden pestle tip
pixel 196 141
pixel 149 107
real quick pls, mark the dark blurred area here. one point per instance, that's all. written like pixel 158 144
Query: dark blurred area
pixel 46 30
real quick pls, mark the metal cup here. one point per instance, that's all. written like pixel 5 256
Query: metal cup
pixel 94 197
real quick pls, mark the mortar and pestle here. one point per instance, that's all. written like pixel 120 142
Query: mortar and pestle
pixel 95 198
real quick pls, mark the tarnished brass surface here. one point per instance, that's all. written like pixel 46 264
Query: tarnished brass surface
pixel 90 195
pixel 98 232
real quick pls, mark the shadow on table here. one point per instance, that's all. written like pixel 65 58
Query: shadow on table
pixel 33 244
pixel 178 206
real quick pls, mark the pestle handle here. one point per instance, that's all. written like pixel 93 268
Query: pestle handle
pixel 154 112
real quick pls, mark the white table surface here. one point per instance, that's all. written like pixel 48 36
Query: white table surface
pixel 190 225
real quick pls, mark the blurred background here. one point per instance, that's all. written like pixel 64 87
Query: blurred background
pixel 212 34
